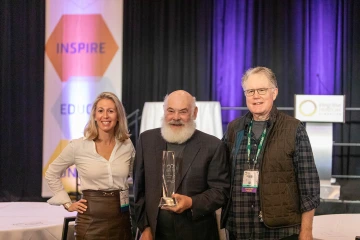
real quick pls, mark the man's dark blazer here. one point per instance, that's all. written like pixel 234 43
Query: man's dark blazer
pixel 204 176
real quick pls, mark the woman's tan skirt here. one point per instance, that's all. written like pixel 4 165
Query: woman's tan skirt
pixel 103 218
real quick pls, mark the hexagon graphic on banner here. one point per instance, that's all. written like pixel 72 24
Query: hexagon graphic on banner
pixel 68 177
pixel 81 45
pixel 73 106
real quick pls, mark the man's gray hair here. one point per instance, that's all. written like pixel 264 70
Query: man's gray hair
pixel 267 71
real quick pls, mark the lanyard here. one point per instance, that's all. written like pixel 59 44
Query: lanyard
pixel 259 147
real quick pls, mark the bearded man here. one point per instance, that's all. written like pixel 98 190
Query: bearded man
pixel 202 176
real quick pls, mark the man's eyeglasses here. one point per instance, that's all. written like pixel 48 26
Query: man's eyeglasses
pixel 260 91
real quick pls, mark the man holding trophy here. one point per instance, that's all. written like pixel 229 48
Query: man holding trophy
pixel 181 176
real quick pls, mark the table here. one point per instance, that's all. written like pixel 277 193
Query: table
pixel 336 227
pixel 32 220
pixel 208 118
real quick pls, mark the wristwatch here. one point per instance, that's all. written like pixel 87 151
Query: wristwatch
pixel 67 205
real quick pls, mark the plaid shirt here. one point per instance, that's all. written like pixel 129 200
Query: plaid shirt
pixel 243 219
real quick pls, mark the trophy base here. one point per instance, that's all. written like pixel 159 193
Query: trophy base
pixel 167 202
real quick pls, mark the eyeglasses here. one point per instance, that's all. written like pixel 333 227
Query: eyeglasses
pixel 260 91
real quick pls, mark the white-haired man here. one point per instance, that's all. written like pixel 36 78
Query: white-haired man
pixel 274 181
pixel 202 176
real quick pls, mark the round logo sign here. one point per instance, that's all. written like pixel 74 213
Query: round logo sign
pixel 308 108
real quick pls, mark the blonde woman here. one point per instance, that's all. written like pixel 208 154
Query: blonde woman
pixel 103 158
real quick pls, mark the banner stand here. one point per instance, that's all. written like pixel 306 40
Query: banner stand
pixel 321 139
pixel 320 112
pixel 83 57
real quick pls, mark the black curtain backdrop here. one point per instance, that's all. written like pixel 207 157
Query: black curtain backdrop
pixel 346 159
pixel 167 46
pixel 22 37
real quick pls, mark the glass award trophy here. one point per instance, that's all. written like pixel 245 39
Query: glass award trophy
pixel 168 179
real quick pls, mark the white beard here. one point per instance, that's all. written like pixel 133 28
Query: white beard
pixel 178 136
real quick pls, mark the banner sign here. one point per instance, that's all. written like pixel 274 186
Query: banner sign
pixel 320 108
pixel 83 57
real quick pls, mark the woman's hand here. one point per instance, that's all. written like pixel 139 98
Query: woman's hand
pixel 78 206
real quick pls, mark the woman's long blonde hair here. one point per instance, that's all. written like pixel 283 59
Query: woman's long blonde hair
pixel 121 131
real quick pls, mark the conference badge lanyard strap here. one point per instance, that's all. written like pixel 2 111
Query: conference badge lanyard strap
pixel 251 176
pixel 124 200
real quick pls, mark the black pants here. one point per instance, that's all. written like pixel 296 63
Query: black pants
pixel 165 226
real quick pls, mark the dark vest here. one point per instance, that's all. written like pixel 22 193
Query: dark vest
pixel 279 196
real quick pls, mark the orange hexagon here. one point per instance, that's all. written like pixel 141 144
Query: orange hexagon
pixel 81 45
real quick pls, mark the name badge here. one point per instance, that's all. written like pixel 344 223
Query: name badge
pixel 124 200
pixel 250 181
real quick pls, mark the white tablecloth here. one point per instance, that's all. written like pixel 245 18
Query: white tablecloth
pixel 31 220
pixel 336 226
pixel 208 118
